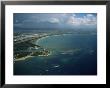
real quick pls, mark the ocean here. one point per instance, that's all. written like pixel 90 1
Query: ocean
pixel 71 54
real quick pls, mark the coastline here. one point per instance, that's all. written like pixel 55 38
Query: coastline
pixel 60 35
pixel 23 58
pixel 37 40
pixel 53 35
pixel 29 56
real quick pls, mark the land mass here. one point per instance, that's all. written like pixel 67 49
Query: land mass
pixel 25 48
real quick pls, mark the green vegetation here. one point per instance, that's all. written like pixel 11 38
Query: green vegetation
pixel 27 48
pixel 20 55
pixel 43 53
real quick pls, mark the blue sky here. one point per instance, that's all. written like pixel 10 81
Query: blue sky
pixel 55 20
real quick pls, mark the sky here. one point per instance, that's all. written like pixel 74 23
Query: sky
pixel 55 20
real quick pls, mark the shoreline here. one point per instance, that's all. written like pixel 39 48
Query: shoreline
pixel 29 56
pixel 52 35
pixel 36 43
pixel 60 35
pixel 23 58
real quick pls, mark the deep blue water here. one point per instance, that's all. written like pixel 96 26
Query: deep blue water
pixel 72 54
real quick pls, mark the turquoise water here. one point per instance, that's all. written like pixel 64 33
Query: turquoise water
pixel 71 54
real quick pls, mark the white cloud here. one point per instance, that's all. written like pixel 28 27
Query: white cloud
pixel 53 20
pixel 90 15
pixel 88 19
pixel 73 15
pixel 74 21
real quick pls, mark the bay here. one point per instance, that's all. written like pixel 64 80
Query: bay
pixel 71 54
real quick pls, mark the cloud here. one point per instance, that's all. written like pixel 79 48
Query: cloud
pixel 73 15
pixel 54 20
pixel 74 21
pixel 40 20
pixel 18 24
pixel 61 20
pixel 88 19
pixel 16 21
pixel 89 15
